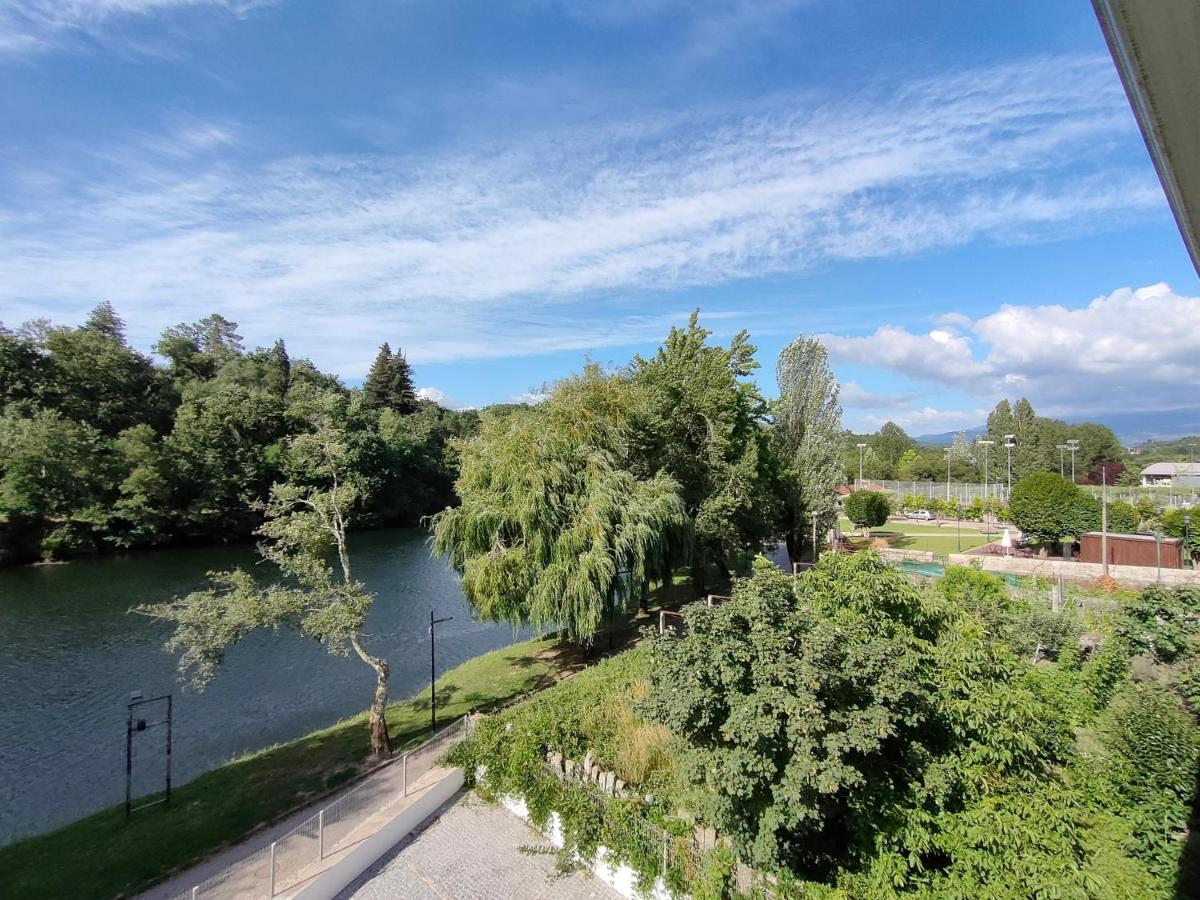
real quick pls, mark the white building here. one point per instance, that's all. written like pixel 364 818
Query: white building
pixel 1178 474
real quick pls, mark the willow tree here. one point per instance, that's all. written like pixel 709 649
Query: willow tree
pixel 808 429
pixel 305 536
pixel 553 525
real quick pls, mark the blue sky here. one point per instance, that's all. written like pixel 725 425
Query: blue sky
pixel 954 196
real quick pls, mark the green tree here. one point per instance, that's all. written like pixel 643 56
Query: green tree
pixel 808 427
pixel 1028 455
pixel 388 384
pixel 25 372
pixel 868 509
pixel 702 423
pixel 1048 508
pixel 889 445
pixel 553 526
pixel 1000 422
pixel 1123 518
pixel 304 525
pixel 54 479
pixel 798 702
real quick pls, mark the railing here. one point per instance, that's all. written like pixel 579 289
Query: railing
pixel 280 866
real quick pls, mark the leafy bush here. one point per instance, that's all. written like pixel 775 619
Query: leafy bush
pixel 1151 749
pixel 1163 622
pixel 868 509
pixel 1123 518
pixel 1048 508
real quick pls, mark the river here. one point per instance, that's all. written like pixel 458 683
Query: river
pixel 71 653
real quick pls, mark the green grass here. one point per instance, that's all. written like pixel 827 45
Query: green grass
pixel 106 856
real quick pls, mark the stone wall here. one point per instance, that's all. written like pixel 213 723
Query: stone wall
pixel 1078 571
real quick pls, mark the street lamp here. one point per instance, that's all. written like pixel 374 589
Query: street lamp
pixel 433 673
pixel 1073 445
pixel 986 507
pixel 949 451
pixel 861 448
pixel 1009 443
pixel 1061 459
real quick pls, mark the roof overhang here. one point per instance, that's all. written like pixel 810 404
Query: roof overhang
pixel 1156 46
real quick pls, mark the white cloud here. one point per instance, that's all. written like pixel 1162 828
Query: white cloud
pixel 438 396
pixel 855 396
pixel 1129 351
pixel 32 25
pixel 493 254
pixel 925 420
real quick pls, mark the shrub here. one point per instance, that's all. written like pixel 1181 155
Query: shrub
pixel 1123 518
pixel 1049 508
pixel 1164 622
pixel 868 509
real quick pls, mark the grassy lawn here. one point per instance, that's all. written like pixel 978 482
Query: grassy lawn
pixel 897 526
pixel 923 536
pixel 105 856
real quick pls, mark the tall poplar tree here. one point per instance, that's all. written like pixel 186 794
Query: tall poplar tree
pixel 808 427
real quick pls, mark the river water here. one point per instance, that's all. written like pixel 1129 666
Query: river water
pixel 71 653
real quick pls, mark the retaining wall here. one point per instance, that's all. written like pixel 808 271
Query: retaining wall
pixel 1079 571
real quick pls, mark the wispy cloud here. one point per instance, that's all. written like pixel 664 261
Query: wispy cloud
pixel 29 26
pixel 471 255
pixel 1129 351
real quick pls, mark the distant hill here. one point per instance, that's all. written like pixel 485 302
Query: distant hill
pixel 1131 428
pixel 946 438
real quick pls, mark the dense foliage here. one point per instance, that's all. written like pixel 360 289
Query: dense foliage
pixel 867 509
pixel 858 736
pixel 1049 509
pixel 553 527
pixel 102 449
pixel 618 477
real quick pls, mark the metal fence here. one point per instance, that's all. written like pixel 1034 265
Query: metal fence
pixel 964 492
pixel 276 868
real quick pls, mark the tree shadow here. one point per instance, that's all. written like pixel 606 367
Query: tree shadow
pixel 1187 878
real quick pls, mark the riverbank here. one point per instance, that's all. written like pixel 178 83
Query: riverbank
pixel 105 856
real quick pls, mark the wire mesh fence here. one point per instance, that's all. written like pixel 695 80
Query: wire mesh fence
pixel 291 858
pixel 1163 497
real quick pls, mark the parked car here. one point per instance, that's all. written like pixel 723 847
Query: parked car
pixel 923 514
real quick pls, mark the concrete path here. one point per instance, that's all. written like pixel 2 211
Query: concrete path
pixel 474 851
pixel 377 799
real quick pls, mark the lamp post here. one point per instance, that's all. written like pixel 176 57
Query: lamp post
pixel 433 673
pixel 1187 539
pixel 1061 459
pixel 1073 445
pixel 949 451
pixel 861 448
pixel 1009 443
pixel 986 506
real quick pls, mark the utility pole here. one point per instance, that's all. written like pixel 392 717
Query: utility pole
pixel 433 673
pixel 1104 517
pixel 1009 443
pixel 1061 448
pixel 1073 445
pixel 987 512
pixel 861 448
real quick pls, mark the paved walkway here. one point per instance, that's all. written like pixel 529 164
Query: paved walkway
pixel 473 851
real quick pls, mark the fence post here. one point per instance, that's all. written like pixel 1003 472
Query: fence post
pixel 404 773
pixel 321 834
pixel 272 894
pixel 662 622
pixel 666 852
pixel 195 892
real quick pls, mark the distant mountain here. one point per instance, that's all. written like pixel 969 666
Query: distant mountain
pixel 1131 428
pixel 946 438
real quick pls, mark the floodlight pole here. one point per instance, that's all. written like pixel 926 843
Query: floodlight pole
pixel 1073 445
pixel 1009 443
pixel 949 451
pixel 987 514
pixel 1061 448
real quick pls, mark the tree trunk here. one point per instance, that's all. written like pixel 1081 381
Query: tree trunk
pixel 381 741
pixel 644 598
